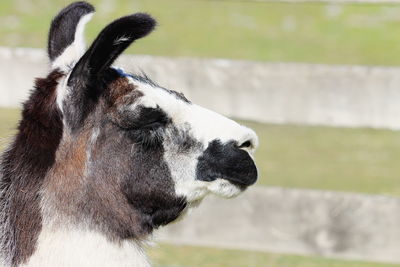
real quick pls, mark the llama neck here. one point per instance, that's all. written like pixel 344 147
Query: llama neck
pixel 23 167
pixel 81 247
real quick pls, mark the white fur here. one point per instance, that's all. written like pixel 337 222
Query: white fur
pixel 62 247
pixel 183 171
pixel 70 56
pixel 223 188
pixel 205 126
pixel 62 90
pixel 120 40
pixel 73 52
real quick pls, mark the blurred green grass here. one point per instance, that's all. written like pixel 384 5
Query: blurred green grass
pixel 188 256
pixel 8 124
pixel 267 31
pixel 341 159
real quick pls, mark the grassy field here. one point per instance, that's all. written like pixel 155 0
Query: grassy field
pixel 268 31
pixel 357 160
pixel 187 256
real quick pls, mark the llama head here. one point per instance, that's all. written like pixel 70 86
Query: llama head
pixel 133 152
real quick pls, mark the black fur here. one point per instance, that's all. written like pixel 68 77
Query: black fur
pixel 63 27
pixel 145 118
pixel 150 189
pixel 111 42
pixel 226 161
pixel 90 69
pixel 147 127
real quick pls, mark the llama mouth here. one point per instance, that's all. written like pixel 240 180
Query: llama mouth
pixel 242 184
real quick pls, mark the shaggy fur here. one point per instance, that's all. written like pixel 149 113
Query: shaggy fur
pixel 102 158
pixel 23 167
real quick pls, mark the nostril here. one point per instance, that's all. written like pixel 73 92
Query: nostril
pixel 246 144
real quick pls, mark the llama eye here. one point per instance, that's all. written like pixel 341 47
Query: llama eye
pixel 148 127
pixel 153 125
pixel 151 118
pixel 148 137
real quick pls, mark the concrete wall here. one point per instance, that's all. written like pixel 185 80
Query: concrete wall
pixel 331 224
pixel 351 96
pixel 18 68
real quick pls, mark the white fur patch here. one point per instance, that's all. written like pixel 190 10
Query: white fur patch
pixel 70 56
pixel 120 40
pixel 183 171
pixel 62 90
pixel 63 247
pixel 73 52
pixel 205 126
pixel 223 188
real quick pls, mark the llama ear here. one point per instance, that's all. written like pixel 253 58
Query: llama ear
pixel 66 42
pixel 109 44
pixel 84 82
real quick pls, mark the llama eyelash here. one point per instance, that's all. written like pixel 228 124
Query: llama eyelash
pixel 150 138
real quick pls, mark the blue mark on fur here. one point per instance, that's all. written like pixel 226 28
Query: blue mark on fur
pixel 123 73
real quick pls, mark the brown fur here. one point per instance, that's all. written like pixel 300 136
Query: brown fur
pixel 80 190
pixel 122 92
pixel 67 173
pixel 25 165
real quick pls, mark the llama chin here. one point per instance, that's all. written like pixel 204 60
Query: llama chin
pixel 102 157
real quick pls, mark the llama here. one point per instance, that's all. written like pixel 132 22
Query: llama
pixel 102 157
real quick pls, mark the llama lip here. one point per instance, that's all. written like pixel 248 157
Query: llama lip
pixel 242 183
pixel 227 162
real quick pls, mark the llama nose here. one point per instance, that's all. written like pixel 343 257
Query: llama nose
pixel 249 140
pixel 246 144
pixel 226 161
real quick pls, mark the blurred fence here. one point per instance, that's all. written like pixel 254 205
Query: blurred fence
pixel 331 224
pixel 352 96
